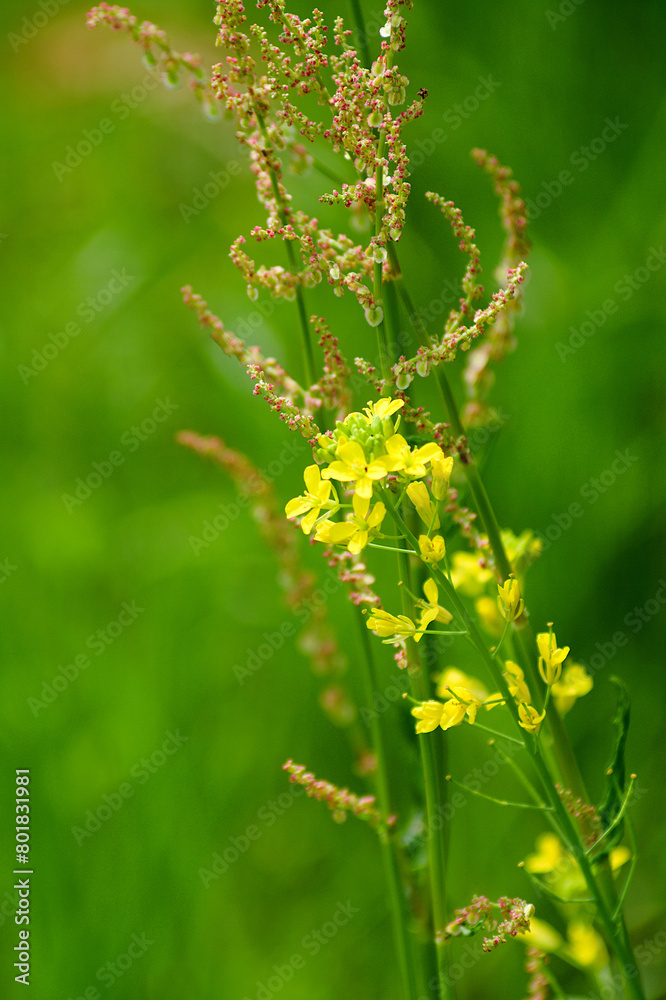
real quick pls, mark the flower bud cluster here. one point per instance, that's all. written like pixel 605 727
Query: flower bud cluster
pixel 538 986
pixel 354 573
pixel 157 52
pixel 333 386
pixel 477 916
pixel 281 392
pixel 586 813
pixel 458 337
pixel 339 800
pixel 499 340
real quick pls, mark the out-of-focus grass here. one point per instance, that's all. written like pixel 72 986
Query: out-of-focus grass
pixel 171 670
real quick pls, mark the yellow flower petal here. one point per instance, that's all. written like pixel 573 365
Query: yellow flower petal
pixel 385 407
pixel 418 494
pixel 529 718
pixel 432 549
pixel 297 506
pixel 431 591
pixel 441 469
pixel 312 477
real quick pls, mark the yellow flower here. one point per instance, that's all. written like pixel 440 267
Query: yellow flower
pixel 618 857
pixel 452 677
pixel 430 715
pixel 395 626
pixel 586 947
pixel 354 533
pixel 432 604
pixel 515 678
pixel 548 855
pixel 441 473
pixel 486 609
pixel 352 466
pixel 418 494
pixel 563 873
pixel 529 718
pixel 573 684
pixel 384 407
pixel 316 496
pixel 432 549
pixel 509 600
pixel 467 575
pixel 551 659
pixel 446 714
pixel 411 463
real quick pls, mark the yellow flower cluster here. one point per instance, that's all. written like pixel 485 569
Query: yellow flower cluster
pixel 394 629
pixel 528 716
pixel 363 450
pixel 462 696
pixel 561 869
pixel 551 658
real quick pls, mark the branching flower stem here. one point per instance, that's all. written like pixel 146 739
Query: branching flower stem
pixel 614 928
pixel 525 641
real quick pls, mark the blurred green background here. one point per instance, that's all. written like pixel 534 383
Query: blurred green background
pixel 69 568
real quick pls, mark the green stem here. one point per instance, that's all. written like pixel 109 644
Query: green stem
pixel 377 282
pixel 615 931
pixel 361 32
pixel 432 765
pixel 526 643
pixel 306 340
pixel 399 913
